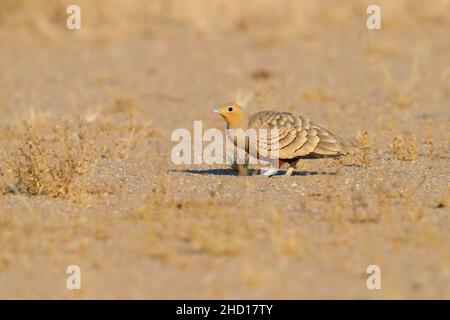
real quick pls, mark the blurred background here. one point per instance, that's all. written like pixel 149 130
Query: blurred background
pixel 144 19
pixel 141 227
pixel 318 49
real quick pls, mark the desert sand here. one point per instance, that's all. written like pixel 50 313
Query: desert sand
pixel 87 179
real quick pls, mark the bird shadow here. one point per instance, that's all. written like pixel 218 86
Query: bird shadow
pixel 251 172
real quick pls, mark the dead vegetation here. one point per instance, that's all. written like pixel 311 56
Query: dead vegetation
pixel 53 166
pixel 102 192
pixel 404 148
pixel 363 158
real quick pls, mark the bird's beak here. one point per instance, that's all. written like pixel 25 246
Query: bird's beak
pixel 216 111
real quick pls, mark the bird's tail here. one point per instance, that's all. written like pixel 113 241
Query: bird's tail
pixel 351 146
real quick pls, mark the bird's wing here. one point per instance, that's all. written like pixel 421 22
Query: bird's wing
pixel 296 136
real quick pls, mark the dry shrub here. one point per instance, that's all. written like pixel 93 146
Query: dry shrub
pixel 53 166
pixel 404 148
pixel 364 140
pixel 363 158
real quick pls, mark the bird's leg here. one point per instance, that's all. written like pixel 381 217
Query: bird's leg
pixel 289 171
pixel 274 168
pixel 292 167
pixel 270 172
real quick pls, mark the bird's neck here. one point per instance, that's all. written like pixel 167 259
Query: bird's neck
pixel 240 124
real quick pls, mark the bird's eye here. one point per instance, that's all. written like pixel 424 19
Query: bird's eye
pixel 230 109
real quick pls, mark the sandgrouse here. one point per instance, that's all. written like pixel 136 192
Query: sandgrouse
pixel 298 137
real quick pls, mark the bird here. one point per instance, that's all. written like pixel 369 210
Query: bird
pixel 297 137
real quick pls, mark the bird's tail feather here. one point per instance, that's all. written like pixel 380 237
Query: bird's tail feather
pixel 351 146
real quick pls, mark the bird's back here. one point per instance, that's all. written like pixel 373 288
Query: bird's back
pixel 297 136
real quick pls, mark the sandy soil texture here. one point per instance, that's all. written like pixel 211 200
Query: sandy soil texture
pixel 86 176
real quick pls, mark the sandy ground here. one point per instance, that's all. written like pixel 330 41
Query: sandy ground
pixel 142 227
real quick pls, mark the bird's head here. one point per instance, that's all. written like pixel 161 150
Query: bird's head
pixel 233 115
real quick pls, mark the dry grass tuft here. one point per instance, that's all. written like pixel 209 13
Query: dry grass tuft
pixel 53 166
pixel 404 148
pixel 363 158
pixel 364 140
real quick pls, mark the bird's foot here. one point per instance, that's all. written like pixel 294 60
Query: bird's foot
pixel 289 171
pixel 270 172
